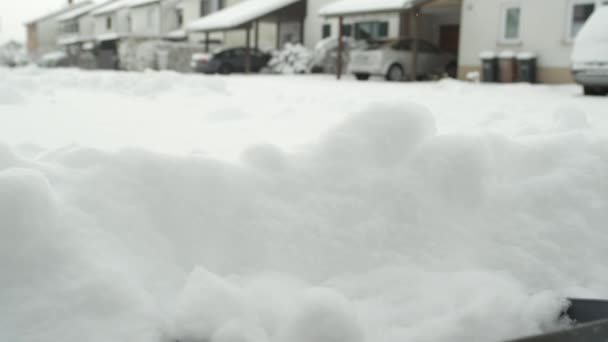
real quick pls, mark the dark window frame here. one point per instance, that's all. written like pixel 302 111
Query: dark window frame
pixel 370 30
pixel 326 31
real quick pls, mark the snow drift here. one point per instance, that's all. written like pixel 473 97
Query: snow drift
pixel 385 229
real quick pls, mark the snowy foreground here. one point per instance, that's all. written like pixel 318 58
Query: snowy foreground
pixel 159 207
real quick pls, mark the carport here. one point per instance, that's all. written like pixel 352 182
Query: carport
pixel 247 15
pixel 409 12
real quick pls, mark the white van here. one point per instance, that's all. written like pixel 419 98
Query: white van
pixel 590 55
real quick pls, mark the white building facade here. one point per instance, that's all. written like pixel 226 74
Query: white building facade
pixel 544 27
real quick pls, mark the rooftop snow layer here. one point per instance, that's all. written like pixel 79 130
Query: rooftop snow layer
pixel 59 11
pixel 238 15
pixel 350 7
pixel 135 3
pixel 77 12
pixel 111 7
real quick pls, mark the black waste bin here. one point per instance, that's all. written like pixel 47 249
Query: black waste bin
pixel 489 67
pixel 526 67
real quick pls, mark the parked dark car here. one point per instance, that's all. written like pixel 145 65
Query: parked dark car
pixel 228 61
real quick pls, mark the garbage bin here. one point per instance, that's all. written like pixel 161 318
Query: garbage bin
pixel 506 61
pixel 526 67
pixel 489 66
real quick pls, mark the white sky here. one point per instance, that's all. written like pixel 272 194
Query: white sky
pixel 14 13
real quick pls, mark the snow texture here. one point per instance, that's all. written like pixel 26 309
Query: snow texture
pixel 163 207
pixel 111 7
pixel 292 59
pixel 351 7
pixel 238 14
pixel 77 12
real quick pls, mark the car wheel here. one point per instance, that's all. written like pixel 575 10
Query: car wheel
pixel 593 91
pixel 225 69
pixel 362 77
pixel 395 73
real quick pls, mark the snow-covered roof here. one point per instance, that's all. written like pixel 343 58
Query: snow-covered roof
pixel 353 7
pixel 58 12
pixel 111 7
pixel 177 34
pixel 77 12
pixel 67 40
pixel 107 36
pixel 135 3
pixel 238 15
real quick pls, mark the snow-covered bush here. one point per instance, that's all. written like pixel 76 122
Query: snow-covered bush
pixel 12 54
pixel 292 59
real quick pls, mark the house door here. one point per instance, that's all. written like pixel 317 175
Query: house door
pixel 449 37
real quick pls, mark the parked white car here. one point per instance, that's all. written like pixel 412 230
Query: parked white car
pixel 590 54
pixel 392 59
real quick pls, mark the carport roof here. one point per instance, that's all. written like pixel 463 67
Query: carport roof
pixel 238 15
pixel 354 7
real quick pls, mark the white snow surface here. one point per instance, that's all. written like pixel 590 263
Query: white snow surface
pixel 163 207
pixel 237 15
pixel 350 7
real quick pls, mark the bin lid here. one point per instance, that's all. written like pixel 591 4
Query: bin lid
pixel 526 55
pixel 506 54
pixel 487 55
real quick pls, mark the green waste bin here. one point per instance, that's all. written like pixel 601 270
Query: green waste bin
pixel 489 66
pixel 526 67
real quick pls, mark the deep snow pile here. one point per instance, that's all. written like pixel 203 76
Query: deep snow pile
pixel 292 59
pixel 388 227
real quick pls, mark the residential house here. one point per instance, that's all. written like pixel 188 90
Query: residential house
pixel 436 21
pixel 42 32
pixel 544 27
pixel 267 24
pixel 112 24
pixel 77 31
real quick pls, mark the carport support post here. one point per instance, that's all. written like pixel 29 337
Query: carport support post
pixel 256 35
pixel 248 49
pixel 414 47
pixel 340 48
pixel 207 41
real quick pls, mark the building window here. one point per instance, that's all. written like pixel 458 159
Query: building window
pixel 371 30
pixel 108 23
pixel 326 31
pixel 347 30
pixel 221 4
pixel 205 7
pixel 511 24
pixel 179 17
pixel 580 11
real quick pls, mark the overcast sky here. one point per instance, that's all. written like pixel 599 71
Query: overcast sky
pixel 14 13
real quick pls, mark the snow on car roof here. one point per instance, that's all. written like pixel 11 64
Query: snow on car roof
pixel 351 7
pixel 237 15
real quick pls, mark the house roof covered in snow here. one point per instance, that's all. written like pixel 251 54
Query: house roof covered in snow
pixel 238 15
pixel 354 7
pixel 77 12
pixel 111 7
pixel 59 12
pixel 135 3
